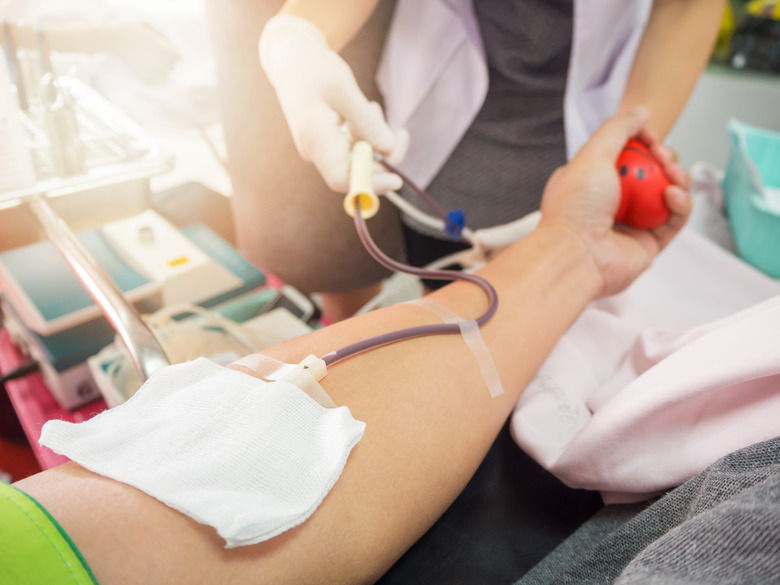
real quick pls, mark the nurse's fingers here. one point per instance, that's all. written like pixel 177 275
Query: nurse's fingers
pixel 399 148
pixel 365 119
pixel 385 182
pixel 325 145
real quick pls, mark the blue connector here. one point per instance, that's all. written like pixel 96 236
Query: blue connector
pixel 456 221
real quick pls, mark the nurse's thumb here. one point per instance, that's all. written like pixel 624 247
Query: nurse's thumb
pixel 367 122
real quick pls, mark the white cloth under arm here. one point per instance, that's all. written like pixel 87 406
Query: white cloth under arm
pixel 651 386
pixel 247 457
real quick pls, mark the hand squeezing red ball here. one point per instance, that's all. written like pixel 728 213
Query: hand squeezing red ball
pixel 642 182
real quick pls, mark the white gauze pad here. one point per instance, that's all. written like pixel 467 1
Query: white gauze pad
pixel 248 457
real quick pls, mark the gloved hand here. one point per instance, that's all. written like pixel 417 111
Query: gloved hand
pixel 323 104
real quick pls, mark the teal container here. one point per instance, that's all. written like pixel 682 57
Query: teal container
pixel 751 189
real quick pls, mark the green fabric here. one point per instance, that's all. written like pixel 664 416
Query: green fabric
pixel 34 549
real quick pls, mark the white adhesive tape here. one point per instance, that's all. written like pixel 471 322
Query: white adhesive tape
pixel 473 339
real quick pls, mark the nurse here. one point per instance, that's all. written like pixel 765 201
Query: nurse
pixel 484 99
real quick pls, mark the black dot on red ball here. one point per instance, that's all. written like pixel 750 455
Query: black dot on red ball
pixel 640 172
pixel 623 170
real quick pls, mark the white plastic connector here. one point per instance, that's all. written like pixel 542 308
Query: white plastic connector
pixel 314 366
pixel 361 182
pixel 305 375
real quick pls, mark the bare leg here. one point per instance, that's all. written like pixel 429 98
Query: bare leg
pixel 339 306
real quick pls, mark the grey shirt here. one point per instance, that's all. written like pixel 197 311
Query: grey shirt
pixel 722 527
pixel 498 170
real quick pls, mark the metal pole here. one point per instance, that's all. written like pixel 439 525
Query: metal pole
pixel 144 349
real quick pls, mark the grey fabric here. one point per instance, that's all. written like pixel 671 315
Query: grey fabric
pixel 557 566
pixel 722 527
pixel 499 169
pixel 287 221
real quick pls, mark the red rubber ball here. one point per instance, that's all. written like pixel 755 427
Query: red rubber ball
pixel 642 185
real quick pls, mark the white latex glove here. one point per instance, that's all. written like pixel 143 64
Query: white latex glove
pixel 323 104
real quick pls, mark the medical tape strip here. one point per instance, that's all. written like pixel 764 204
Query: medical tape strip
pixel 304 375
pixel 473 339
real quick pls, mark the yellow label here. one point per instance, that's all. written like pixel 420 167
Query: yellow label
pixel 178 261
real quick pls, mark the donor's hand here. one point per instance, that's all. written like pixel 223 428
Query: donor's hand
pixel 582 197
